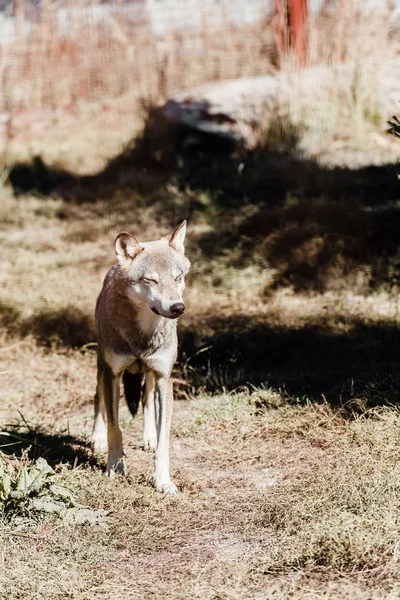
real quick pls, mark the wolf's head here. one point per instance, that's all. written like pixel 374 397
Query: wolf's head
pixel 155 271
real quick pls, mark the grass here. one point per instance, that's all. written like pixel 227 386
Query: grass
pixel 285 439
pixel 297 500
pixel 285 434
pixel 123 57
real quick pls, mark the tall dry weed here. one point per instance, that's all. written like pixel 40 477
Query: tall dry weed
pixel 122 54
pixel 350 52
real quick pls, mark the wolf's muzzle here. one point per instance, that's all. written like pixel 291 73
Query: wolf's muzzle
pixel 177 309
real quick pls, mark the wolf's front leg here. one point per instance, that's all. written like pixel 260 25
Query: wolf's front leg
pixel 116 456
pixel 149 413
pixel 99 433
pixel 162 479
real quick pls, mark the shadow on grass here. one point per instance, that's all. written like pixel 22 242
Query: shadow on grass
pixel 345 360
pixel 342 359
pixel 145 164
pixel 352 362
pixel 312 225
pixel 37 177
pixel 313 244
pixel 64 327
pixel 9 315
pixel 233 178
pixel 56 448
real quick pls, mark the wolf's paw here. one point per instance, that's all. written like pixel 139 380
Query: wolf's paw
pixel 166 487
pixel 116 466
pixel 149 443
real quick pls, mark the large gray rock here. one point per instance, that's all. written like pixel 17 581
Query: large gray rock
pixel 234 109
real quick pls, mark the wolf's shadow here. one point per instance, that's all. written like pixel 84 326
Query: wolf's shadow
pixel 56 448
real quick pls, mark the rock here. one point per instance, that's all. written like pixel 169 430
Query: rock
pixel 233 110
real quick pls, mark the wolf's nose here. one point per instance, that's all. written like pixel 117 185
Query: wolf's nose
pixel 177 308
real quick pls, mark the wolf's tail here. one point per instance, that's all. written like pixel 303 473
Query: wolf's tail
pixel 133 389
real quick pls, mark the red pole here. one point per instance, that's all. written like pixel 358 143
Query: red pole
pixel 291 21
pixel 298 12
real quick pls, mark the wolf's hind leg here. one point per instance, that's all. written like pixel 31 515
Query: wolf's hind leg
pixel 149 413
pixel 99 433
pixel 116 456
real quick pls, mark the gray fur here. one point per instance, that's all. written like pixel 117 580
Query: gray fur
pixel 137 331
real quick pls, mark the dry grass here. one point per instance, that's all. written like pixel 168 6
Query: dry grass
pixel 285 439
pixel 122 55
pixel 284 502
pixel 345 91
pixel 280 497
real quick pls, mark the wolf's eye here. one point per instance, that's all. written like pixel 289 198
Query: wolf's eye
pixel 179 278
pixel 148 281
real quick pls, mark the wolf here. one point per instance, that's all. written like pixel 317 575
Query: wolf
pixel 136 321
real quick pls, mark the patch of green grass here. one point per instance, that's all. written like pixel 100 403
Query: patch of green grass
pixel 29 489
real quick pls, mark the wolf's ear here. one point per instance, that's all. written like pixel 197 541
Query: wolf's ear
pixel 176 239
pixel 126 247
